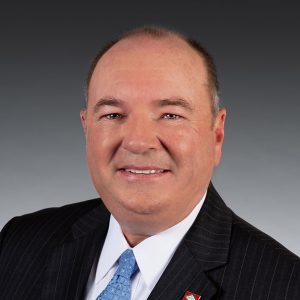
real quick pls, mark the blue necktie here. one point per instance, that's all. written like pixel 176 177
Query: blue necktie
pixel 119 288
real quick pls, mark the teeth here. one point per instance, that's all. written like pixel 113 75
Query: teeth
pixel 147 172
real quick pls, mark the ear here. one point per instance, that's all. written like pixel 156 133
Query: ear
pixel 218 129
pixel 83 114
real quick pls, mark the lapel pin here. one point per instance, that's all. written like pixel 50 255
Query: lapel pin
pixel 191 296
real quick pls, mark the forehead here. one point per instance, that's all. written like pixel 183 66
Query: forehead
pixel 146 62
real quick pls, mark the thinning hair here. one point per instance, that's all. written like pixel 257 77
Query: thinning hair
pixel 156 32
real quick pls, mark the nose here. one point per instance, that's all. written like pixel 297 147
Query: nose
pixel 140 136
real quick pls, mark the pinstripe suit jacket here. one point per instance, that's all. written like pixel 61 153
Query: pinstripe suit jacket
pixel 48 255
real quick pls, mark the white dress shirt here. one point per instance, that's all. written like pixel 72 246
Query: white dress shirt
pixel 152 256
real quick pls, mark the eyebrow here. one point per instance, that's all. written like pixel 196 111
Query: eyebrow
pixel 175 102
pixel 161 102
pixel 107 102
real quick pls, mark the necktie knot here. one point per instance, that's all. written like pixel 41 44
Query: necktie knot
pixel 119 288
pixel 127 264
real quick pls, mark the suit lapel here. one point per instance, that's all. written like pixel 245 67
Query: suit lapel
pixel 182 274
pixel 204 248
pixel 70 263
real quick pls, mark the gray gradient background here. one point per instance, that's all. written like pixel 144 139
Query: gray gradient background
pixel 45 51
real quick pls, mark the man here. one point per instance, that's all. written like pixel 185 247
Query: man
pixel 154 133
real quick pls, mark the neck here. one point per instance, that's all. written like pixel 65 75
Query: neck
pixel 134 239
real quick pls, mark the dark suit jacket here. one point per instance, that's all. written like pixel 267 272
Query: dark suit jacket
pixel 48 255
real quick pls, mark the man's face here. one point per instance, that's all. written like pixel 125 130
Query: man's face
pixel 151 145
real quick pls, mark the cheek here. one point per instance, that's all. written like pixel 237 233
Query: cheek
pixel 191 146
pixel 99 146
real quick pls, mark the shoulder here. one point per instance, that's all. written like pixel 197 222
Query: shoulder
pixel 243 233
pixel 257 266
pixel 50 224
pixel 261 261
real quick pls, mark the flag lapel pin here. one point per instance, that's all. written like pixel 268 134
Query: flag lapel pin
pixel 191 296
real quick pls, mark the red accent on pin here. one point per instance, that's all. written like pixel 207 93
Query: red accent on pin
pixel 191 296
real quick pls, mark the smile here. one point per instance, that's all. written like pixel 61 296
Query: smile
pixel 144 172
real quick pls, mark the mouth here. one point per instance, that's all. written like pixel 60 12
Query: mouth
pixel 144 172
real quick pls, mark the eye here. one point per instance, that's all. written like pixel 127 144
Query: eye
pixel 113 116
pixel 170 116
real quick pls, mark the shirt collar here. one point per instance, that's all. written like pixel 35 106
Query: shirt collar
pixel 115 244
pixel 152 255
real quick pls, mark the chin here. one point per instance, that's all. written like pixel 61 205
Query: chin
pixel 140 206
